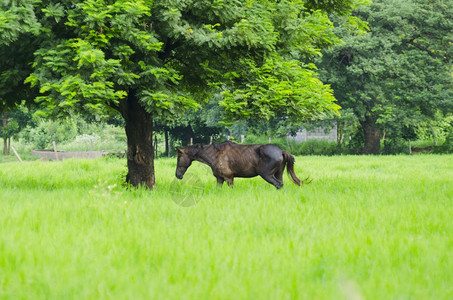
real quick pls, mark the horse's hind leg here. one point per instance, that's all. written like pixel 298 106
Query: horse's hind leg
pixel 230 181
pixel 273 173
pixel 273 180
pixel 279 173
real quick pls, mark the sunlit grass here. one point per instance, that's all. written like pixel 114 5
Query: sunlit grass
pixel 366 227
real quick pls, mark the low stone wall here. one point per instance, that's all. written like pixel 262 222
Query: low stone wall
pixel 50 154
pixel 319 133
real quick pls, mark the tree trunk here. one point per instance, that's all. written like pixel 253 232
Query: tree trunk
pixel 340 134
pixel 5 147
pixel 434 136
pixel 5 143
pixel 167 146
pixel 372 134
pixel 140 150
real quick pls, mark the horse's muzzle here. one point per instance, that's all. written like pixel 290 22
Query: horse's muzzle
pixel 179 176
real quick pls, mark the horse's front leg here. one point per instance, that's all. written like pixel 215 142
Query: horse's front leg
pixel 220 180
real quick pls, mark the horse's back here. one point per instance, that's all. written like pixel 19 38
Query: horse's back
pixel 253 153
pixel 231 148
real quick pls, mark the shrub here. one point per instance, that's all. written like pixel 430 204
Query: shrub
pixel 41 136
pixel 395 146
pixel 316 147
pixel 447 146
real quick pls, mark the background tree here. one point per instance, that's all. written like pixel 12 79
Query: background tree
pixel 12 124
pixel 152 60
pixel 399 74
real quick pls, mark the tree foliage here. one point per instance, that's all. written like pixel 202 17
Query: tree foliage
pixel 96 51
pixel 399 74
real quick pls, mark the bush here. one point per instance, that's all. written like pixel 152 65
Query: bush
pixel 41 136
pixel 74 134
pixel 447 146
pixel 316 147
pixel 395 146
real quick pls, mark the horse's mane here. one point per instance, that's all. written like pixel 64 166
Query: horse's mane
pixel 194 149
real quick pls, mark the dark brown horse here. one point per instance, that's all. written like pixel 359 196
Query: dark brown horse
pixel 228 160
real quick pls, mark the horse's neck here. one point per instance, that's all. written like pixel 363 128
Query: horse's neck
pixel 207 155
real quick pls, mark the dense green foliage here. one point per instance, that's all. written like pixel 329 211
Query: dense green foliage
pixel 366 227
pixel 94 52
pixel 399 75
pixel 73 134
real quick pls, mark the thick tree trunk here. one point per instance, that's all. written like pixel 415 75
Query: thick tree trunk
pixel 372 134
pixel 140 150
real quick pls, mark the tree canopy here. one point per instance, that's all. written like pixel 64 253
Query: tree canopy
pixel 171 51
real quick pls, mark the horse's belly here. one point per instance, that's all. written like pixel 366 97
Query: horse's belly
pixel 236 168
pixel 245 173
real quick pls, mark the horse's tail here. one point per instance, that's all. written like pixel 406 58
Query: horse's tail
pixel 288 159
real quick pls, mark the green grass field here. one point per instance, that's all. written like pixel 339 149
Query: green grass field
pixel 365 228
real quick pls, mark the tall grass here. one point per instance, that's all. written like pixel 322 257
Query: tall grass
pixel 366 227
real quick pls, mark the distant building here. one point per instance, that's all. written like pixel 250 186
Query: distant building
pixel 319 133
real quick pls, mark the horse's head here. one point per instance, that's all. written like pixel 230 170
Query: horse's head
pixel 184 161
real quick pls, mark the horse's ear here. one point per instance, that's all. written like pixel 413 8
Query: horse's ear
pixel 179 150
